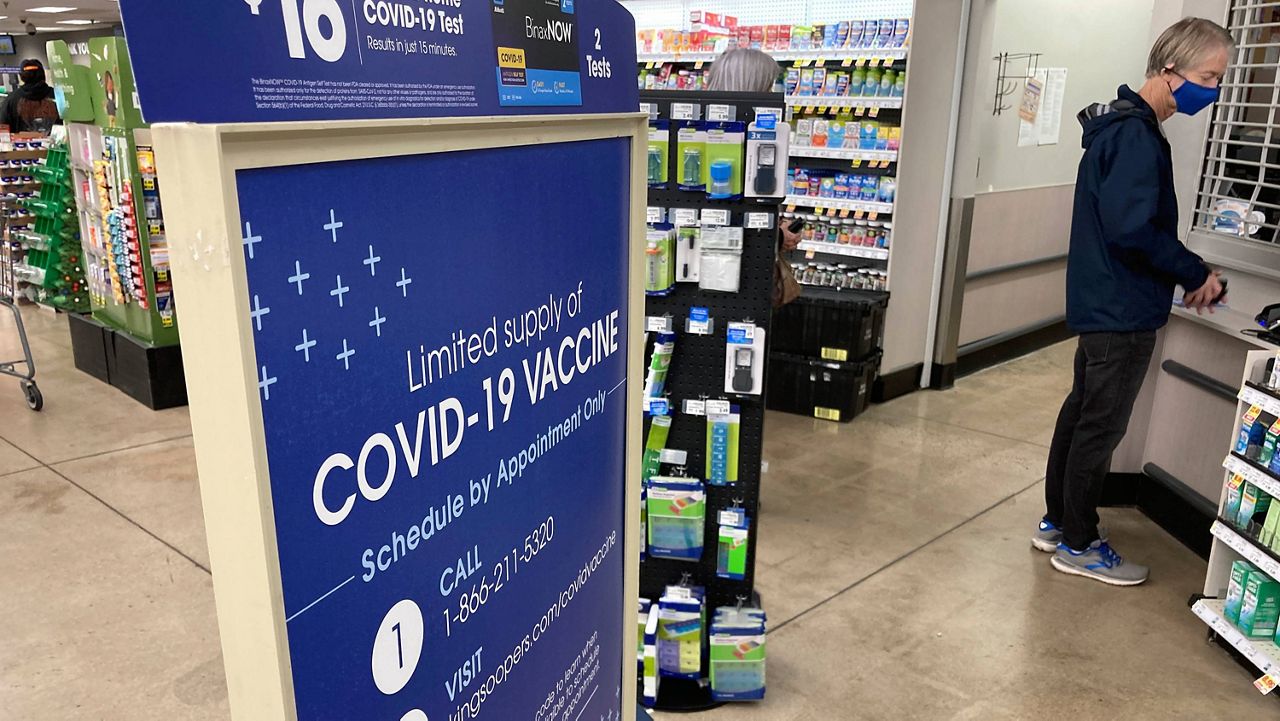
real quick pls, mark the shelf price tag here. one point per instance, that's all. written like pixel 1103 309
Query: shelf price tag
pixel 810 254
pixel 718 408
pixel 875 111
pixel 721 113
pixel 859 215
pixel 791 208
pixel 699 321
pixel 872 215
pixel 857 162
pixel 685 216
pixel 695 408
pixel 697 65
pixel 1266 684
pixel 860 111
pixel 683 111
pixel 658 406
pixel 759 221
pixel 654 215
pixel 673 456
pixel 821 61
pixel 844 213
pixel 862 62
pixel 658 324
pixel 715 216
pixel 846 62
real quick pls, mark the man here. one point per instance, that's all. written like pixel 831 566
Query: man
pixel 31 108
pixel 1124 262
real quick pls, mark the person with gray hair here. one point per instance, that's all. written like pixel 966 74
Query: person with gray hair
pixel 743 70
pixel 1123 265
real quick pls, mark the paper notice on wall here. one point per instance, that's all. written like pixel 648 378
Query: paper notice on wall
pixel 1030 106
pixel 1046 127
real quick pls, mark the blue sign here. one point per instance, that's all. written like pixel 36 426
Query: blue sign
pixel 441 366
pixel 278 60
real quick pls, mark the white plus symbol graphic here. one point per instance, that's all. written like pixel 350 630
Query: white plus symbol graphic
pixel 377 321
pixel 372 261
pixel 305 346
pixel 298 276
pixel 345 355
pixel 333 225
pixel 265 383
pixel 340 291
pixel 403 283
pixel 250 239
pixel 257 312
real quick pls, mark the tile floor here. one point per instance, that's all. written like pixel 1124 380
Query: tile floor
pixel 893 558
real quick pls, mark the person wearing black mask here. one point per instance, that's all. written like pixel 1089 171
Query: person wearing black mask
pixel 31 108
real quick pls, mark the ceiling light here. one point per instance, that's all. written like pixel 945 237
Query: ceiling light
pixel 51 9
pixel 55 29
pixel 75 22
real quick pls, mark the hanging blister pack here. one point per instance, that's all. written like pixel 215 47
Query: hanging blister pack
pixel 659 255
pixel 737 654
pixel 735 532
pixel 655 383
pixel 677 517
pixel 651 679
pixel 723 431
pixel 688 254
pixel 681 620
pixel 744 359
pixel 721 263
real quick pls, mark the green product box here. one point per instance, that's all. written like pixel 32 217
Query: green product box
pixel 1261 606
pixel 1269 444
pixel 1240 572
pixel 1254 501
pixel 691 152
pixel 1269 525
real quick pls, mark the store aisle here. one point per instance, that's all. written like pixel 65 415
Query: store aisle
pixel 893 561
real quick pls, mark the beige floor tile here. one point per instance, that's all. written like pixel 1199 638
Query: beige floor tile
pixel 13 460
pixel 978 626
pixel 155 485
pixel 82 415
pixel 100 621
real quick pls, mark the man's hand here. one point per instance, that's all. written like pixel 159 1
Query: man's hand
pixel 790 241
pixel 1204 296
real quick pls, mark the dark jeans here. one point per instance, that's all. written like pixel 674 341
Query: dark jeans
pixel 1109 370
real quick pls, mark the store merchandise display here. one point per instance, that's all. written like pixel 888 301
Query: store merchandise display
pixel 714 33
pixel 19 155
pixel 52 242
pixel 712 244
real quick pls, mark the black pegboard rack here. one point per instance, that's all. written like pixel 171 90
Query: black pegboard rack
pixel 697 372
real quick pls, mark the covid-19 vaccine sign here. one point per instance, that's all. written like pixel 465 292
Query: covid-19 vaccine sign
pixel 443 393
pixel 439 345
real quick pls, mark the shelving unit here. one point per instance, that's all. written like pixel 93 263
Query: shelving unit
pixel 1231 543
pixel 829 204
pixel 875 55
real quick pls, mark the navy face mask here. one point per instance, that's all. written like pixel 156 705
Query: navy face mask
pixel 1190 98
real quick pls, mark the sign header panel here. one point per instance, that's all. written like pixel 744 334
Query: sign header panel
pixel 292 60
pixel 443 398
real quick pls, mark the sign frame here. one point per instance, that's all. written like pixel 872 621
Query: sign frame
pixel 199 164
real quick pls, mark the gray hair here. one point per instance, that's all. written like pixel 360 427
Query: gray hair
pixel 742 70
pixel 1185 44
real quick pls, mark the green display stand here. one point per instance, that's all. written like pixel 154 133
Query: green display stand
pixel 54 244
pixel 115 96
pixel 73 84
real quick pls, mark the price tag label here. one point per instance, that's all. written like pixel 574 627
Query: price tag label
pixel 857 162
pixel 719 408
pixel 862 62
pixel 797 63
pixel 844 213
pixel 697 65
pixel 657 324
pixel 859 215
pixel 872 215
pixel 699 321
pixel 810 254
pixel 733 517
pixel 695 408
pixel 846 62
pixel 715 216
pixel 875 111
pixel 721 113
pixel 1266 684
pixel 791 208
pixel 831 212
pixel 821 61
pixel 685 216
pixel 680 593
pixel 655 215
pixel 659 407
pixel 683 111
pixel 860 111
pixel 651 65
pixel 673 456
pixel 759 221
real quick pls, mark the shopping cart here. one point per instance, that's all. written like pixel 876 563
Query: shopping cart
pixel 24 369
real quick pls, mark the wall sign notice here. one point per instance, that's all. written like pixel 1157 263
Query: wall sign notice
pixel 271 60
pixel 445 429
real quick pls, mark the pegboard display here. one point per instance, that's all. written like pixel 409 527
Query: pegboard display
pixel 697 372
pixel 675 13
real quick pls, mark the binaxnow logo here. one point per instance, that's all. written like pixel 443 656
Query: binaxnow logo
pixel 560 31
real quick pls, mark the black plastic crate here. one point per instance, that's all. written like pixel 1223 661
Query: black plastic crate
pixel 832 325
pixel 828 390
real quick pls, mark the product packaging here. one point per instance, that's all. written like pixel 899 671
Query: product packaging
pixel 659 260
pixel 793 81
pixel 677 516
pixel 855 34
pixel 720 266
pixel 744 359
pixel 1269 444
pixel 1235 493
pixel 885 37
pixel 1269 525
pixel 901 29
pixel 1254 502
pixel 691 150
pixel 857 82
pixel 1258 435
pixel 688 253
pixel 725 147
pixel 737 654
pixel 870 29
pixel 651 679
pixel 735 532
pixel 887 189
pixel 681 618
pixel 655 383
pixel 819 80
pixel 723 430
pixel 768 153
pixel 1246 427
pixel 869 134
pixel 842 34
pixel 1240 571
pixel 659 151
pixel 1261 606
pixel 659 431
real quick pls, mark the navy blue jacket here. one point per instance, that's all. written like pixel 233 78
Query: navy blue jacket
pixel 1125 256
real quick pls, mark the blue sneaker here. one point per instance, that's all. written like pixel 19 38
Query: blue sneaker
pixel 1100 563
pixel 1048 536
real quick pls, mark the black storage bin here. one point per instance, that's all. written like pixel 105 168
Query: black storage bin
pixel 831 325
pixel 828 390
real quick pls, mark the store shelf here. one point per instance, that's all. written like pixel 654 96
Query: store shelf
pixel 1253 394
pixel 806 151
pixel 806 201
pixel 1247 548
pixel 824 101
pixel 826 54
pixel 1253 473
pixel 850 251
pixel 1261 653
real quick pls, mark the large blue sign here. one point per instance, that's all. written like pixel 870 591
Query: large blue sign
pixel 442 364
pixel 269 60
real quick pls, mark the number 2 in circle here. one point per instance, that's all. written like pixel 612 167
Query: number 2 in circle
pixel 598 39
